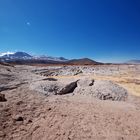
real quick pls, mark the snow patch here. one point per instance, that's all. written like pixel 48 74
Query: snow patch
pixel 6 53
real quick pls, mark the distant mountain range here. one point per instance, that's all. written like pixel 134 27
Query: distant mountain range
pixel 25 58
pixel 133 62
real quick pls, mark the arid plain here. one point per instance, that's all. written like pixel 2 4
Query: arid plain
pixel 99 102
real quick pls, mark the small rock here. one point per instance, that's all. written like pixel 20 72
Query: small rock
pixel 50 79
pixel 29 121
pixel 63 115
pixel 19 103
pixel 92 83
pixel 2 98
pixel 18 118
pixel 2 134
pixel 49 109
pixel 78 72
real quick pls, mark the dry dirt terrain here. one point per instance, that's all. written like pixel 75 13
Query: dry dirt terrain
pixel 70 102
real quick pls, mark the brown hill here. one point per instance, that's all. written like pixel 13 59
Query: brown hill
pixel 83 61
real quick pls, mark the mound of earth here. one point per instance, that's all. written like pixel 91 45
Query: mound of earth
pixel 103 90
pixel 54 87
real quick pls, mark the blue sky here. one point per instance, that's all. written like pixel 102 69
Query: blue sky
pixel 104 30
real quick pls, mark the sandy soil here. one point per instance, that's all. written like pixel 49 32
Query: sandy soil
pixel 30 115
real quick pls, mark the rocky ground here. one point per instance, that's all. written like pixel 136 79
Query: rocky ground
pixel 70 102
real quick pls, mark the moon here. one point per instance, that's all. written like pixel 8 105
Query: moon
pixel 28 24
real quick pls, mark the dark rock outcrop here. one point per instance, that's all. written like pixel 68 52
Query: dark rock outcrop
pixel 67 89
pixel 2 98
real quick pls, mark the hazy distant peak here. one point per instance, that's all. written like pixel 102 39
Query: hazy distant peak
pixel 133 61
pixel 20 54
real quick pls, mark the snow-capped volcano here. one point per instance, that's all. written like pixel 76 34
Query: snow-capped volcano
pixel 16 55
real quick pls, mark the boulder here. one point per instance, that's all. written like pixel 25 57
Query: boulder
pixel 67 89
pixel 18 118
